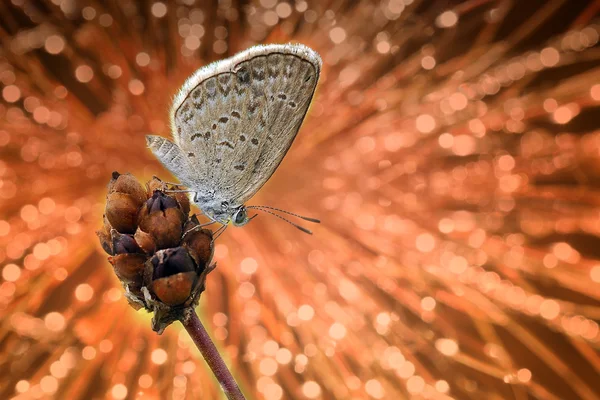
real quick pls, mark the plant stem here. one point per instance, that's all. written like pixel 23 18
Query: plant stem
pixel 196 330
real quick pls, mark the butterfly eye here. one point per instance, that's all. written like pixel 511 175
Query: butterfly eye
pixel 240 217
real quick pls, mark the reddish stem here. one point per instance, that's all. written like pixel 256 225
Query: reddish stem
pixel 196 330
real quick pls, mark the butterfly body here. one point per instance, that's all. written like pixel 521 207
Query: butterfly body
pixel 233 121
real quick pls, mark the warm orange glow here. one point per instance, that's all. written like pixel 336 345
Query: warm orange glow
pixel 54 321
pixel 159 356
pixel 451 151
pixel 119 391
pixel 249 265
pixel 447 19
pixel 447 347
pixel 425 123
pixel 311 389
pixel 84 73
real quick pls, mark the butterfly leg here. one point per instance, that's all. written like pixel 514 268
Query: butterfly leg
pixel 219 232
pixel 179 191
pixel 195 228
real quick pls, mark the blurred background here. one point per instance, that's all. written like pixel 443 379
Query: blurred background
pixel 452 152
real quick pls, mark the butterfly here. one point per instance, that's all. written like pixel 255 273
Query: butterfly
pixel 232 123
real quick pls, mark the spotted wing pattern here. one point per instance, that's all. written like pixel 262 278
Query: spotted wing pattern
pixel 234 120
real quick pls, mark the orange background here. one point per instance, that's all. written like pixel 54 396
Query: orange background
pixel 452 152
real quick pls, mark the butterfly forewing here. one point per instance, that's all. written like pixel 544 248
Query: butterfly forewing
pixel 213 125
pixel 235 119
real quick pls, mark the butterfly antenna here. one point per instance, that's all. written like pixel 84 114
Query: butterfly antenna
pixel 287 212
pixel 303 229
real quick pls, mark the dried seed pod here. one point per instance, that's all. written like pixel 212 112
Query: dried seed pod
pixel 161 257
pixel 162 218
pixel 145 241
pixel 129 268
pixel 199 243
pixel 181 197
pixel 155 184
pixel 123 243
pixel 126 183
pixel 173 275
pixel 125 197
pixel 105 237
pixel 175 289
pixel 128 260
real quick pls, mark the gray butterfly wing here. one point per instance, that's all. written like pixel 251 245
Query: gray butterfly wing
pixel 289 85
pixel 234 120
pixel 171 156
pixel 214 127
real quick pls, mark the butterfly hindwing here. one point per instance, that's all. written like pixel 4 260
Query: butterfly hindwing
pixel 289 86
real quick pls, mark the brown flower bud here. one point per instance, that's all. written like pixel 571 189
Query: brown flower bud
pixel 161 271
pixel 128 261
pixel 181 197
pixel 129 268
pixel 173 275
pixel 104 236
pixel 145 241
pixel 199 243
pixel 125 197
pixel 162 219
pixel 183 200
pixel 124 243
pixel 155 184
pixel 190 223
pixel 126 183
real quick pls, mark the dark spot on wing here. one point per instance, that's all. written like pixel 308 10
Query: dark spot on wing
pixel 224 84
pixel 307 78
pixel 235 114
pixel 239 167
pixel 223 120
pixel 292 104
pixel 252 107
pixel 254 141
pixel 191 155
pixel 211 87
pixel 214 126
pixel 218 161
pixel 198 104
pixel 205 135
pixel 282 96
pixel 242 138
pixel 274 65
pixel 225 143
pixel 243 75
pixel 259 74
